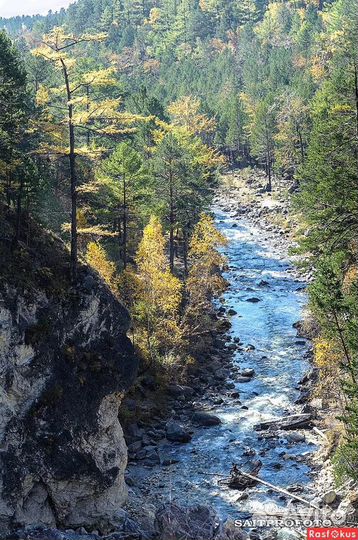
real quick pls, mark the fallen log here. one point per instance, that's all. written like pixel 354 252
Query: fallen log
pixel 256 480
pixel 279 490
pixel 295 421
pixel 319 432
pixel 238 480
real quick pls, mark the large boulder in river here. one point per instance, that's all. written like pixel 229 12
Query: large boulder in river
pixel 175 432
pixel 248 372
pixel 65 364
pixel 205 419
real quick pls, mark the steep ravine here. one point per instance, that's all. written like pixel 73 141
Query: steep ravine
pixel 67 363
pixel 266 297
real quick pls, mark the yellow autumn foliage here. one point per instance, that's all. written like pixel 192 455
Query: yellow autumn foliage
pixel 185 112
pixel 206 260
pixel 96 257
pixel 350 279
pixel 155 16
pixel 160 289
pixel 158 296
pixel 42 96
pixel 326 353
pixel 205 281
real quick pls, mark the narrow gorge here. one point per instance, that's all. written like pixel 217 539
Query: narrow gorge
pixel 178 269
pixel 257 388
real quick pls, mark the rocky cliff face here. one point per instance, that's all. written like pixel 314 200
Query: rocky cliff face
pixel 65 363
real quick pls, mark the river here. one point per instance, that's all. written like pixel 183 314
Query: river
pixel 259 268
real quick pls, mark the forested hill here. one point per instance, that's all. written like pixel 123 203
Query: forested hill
pixel 253 65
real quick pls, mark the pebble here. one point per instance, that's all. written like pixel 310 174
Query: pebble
pixel 330 497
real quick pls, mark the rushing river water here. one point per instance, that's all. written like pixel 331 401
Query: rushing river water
pixel 259 267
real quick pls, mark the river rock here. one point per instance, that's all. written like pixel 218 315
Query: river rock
pixel 303 397
pixel 175 432
pixel 166 461
pixel 253 300
pixel 347 511
pixel 244 379
pixel 299 326
pixel 134 432
pixel 173 522
pixel 177 390
pixel 330 497
pixel 247 372
pixel 151 459
pixel 126 529
pixel 311 377
pixel 135 447
pixel 39 533
pixel 231 531
pixel 205 419
pixel 288 534
pixel 296 437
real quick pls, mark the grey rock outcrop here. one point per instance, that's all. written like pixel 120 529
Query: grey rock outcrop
pixel 65 364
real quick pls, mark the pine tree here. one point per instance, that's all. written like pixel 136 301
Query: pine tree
pixel 292 134
pixel 123 178
pixel 16 170
pixel 14 113
pixel 75 104
pixel 184 171
pixel 261 128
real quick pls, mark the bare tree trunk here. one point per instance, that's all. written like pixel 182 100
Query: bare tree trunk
pixel 171 223
pixel 88 135
pixel 268 157
pixel 185 250
pixel 19 210
pixel 125 223
pixel 269 172
pixel 301 147
pixel 73 179
pixel 356 95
